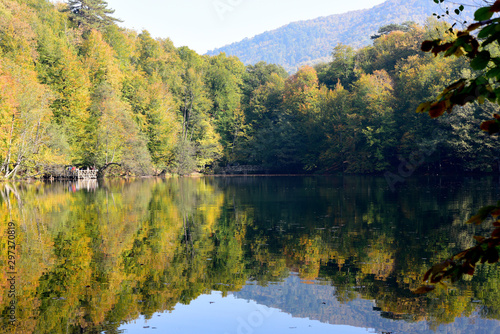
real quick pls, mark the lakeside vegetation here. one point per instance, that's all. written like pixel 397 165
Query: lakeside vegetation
pixel 78 90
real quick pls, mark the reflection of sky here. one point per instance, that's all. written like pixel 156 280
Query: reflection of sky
pixel 244 312
pixel 213 314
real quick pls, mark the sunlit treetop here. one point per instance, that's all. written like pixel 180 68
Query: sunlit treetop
pixel 91 14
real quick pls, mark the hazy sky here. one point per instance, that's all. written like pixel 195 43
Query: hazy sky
pixel 207 24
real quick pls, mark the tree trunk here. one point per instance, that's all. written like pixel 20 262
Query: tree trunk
pixel 5 167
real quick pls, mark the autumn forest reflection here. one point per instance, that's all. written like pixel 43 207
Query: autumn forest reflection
pixel 92 257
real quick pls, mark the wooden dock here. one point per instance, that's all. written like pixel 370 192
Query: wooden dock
pixel 87 173
pixel 70 173
pixel 243 169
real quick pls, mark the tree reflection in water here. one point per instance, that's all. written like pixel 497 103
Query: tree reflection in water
pixel 93 260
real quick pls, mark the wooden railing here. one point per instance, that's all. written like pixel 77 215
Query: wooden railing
pixel 242 169
pixel 87 173
pixel 69 173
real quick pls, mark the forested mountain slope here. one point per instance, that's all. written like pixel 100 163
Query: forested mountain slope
pixel 309 42
pixel 76 91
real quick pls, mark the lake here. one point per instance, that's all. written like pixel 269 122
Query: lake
pixel 242 254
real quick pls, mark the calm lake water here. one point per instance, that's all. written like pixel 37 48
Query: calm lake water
pixel 242 255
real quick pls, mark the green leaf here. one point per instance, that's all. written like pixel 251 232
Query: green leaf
pixel 487 31
pixel 481 81
pixel 483 13
pixel 451 50
pixel 491 39
pixel 480 61
pixel 493 73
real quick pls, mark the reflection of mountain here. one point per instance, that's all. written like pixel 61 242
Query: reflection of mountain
pixel 317 302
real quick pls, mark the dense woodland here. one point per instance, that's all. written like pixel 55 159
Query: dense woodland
pixel 76 89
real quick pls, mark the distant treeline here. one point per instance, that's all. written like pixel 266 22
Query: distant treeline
pixel 75 89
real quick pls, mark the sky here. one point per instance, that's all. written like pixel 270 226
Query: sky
pixel 204 25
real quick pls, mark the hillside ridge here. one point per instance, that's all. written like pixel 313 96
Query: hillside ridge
pixel 309 42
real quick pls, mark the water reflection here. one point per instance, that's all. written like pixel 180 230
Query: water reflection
pixel 83 184
pixel 342 251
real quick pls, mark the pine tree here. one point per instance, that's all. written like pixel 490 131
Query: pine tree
pixel 91 14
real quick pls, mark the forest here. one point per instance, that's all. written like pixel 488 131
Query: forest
pixel 78 90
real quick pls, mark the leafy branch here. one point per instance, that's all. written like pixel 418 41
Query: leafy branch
pixel 475 42
pixel 486 64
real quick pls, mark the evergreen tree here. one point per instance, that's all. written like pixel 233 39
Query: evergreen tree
pixel 387 29
pixel 91 14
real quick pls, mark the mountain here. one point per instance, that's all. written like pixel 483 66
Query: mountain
pixel 312 41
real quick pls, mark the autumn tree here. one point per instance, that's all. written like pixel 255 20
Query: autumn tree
pixel 301 115
pixel 25 119
pixel 112 135
pixel 25 102
pixel 373 106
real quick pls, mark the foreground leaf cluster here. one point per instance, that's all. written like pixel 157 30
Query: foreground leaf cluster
pixel 479 42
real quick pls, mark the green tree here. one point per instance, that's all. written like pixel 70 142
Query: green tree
pixel 340 69
pixel 387 29
pixel 198 135
pixel 373 102
pixel 91 14
pixel 261 103
pixel 263 114
pixel 223 80
pixel 301 94
pixel 338 138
